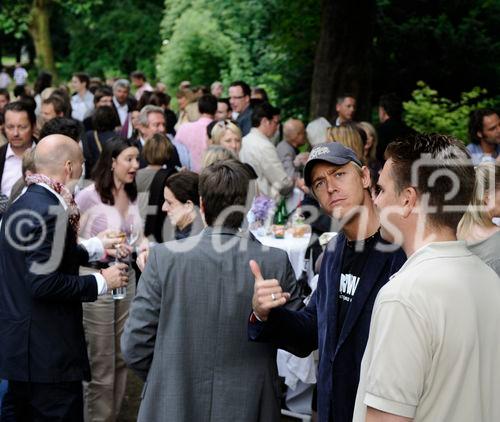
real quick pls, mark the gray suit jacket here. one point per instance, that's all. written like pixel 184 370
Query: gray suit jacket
pixel 187 331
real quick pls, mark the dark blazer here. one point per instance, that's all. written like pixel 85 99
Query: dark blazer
pixel 3 154
pixel 244 120
pixel 301 332
pixel 41 330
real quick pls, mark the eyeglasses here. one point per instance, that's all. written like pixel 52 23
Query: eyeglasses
pixel 237 98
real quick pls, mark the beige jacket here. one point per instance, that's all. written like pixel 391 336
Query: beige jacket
pixel 258 151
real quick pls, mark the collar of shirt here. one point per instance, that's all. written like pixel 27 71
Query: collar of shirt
pixel 257 133
pixel 59 197
pixel 433 250
pixel 119 106
pixel 10 152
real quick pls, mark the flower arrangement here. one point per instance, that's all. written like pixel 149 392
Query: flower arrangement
pixel 260 215
pixel 261 207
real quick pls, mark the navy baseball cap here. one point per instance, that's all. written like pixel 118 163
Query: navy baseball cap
pixel 330 152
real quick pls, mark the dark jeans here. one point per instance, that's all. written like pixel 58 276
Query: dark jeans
pixel 37 402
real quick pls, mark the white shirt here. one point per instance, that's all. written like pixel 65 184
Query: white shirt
pixel 4 80
pixel 20 75
pixel 12 170
pixel 82 107
pixel 122 111
pixel 93 246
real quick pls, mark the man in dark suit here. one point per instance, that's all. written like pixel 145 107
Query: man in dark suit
pixel 239 98
pixel 356 264
pixel 124 104
pixel 42 351
pixel 20 121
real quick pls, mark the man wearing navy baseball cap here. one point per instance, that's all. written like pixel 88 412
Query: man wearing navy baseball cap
pixel 356 264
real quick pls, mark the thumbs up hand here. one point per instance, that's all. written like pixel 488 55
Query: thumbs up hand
pixel 267 293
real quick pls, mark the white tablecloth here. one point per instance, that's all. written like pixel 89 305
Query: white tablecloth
pixel 295 247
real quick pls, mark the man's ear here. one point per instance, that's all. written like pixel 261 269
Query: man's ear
pixel 366 177
pixel 202 206
pixel 409 199
pixel 479 134
pixel 68 167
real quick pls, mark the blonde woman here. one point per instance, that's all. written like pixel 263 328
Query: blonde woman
pixel 476 226
pixel 347 135
pixel 217 153
pixel 188 107
pixel 226 133
pixel 370 146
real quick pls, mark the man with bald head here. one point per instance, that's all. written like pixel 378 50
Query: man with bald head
pixel 43 353
pixel 294 136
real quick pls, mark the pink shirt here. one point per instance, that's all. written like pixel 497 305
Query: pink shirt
pixel 194 136
pixel 142 89
pixel 96 216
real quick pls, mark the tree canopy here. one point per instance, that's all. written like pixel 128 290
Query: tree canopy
pixel 449 44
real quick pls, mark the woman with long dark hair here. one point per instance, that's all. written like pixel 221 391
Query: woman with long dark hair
pixel 109 203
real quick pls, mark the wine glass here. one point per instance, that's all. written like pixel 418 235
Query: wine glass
pixel 120 292
pixel 132 235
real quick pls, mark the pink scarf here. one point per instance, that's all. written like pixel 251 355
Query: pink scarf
pixel 73 212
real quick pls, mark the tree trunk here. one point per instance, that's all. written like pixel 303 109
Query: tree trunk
pixel 343 57
pixel 40 32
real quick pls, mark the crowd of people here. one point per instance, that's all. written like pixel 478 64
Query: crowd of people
pixel 124 244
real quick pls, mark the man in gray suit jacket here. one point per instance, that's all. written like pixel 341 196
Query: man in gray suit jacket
pixel 186 335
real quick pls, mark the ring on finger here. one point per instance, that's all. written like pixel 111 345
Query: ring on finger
pixel 273 296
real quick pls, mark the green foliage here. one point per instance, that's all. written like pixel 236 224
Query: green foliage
pixel 451 44
pixel 14 17
pixel 271 44
pixel 428 112
pixel 122 37
pixel 196 51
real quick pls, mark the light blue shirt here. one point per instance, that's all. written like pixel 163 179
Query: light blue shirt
pixel 478 156
pixel 183 153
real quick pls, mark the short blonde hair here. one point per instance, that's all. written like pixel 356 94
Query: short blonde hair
pixel 348 136
pixel 220 129
pixel 158 149
pixel 476 214
pixel 216 153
